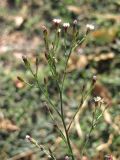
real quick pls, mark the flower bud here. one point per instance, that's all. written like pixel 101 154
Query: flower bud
pixel 20 79
pixel 37 61
pixel 58 32
pixel 74 24
pixel 45 31
pixel 26 62
pixel 46 55
pixel 45 80
pixel 94 79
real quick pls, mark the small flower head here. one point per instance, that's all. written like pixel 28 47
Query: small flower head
pixel 66 26
pixel 30 139
pixel 97 99
pixel 89 28
pixel 56 22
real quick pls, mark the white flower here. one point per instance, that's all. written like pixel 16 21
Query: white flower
pixel 57 21
pixel 97 99
pixel 66 25
pixel 90 27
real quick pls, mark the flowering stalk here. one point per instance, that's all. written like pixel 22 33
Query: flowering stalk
pixel 51 57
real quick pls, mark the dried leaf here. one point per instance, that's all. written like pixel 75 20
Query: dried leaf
pixel 109 16
pixel 74 9
pixel 105 35
pixel 101 56
pixel 105 146
pixel 7 125
pixel 77 62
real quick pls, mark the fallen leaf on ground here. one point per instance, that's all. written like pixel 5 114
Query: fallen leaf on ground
pixel 101 56
pixel 7 125
pixel 105 35
pixel 77 62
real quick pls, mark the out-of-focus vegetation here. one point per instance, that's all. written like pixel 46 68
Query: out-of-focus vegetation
pixel 23 111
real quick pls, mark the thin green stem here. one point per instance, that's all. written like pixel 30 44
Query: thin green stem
pixel 84 97
pixel 64 125
pixel 73 47
pixel 48 99
pixel 91 129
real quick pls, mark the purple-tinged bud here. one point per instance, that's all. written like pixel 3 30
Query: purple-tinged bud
pixel 75 24
pixel 94 79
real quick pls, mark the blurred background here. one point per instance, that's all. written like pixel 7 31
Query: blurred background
pixel 23 111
